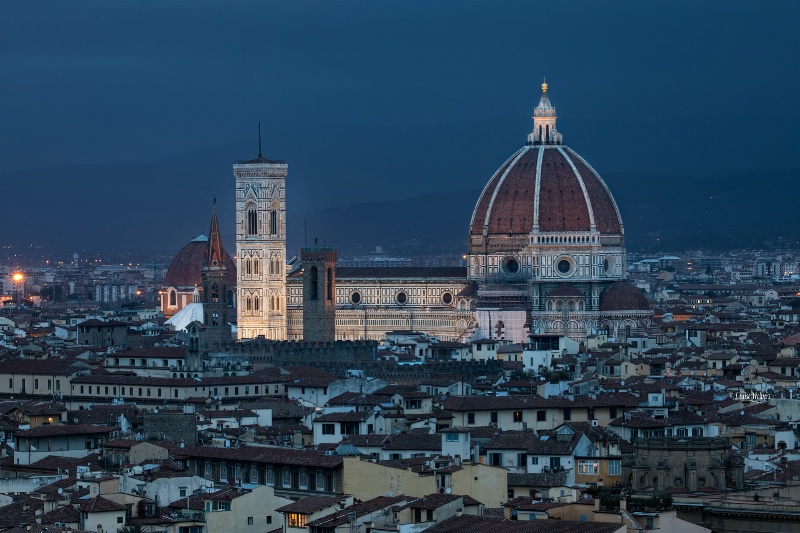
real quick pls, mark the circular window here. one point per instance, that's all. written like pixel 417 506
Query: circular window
pixel 401 297
pixel 678 482
pixel 701 482
pixel 355 297
pixel 565 266
pixel 447 298
pixel 510 265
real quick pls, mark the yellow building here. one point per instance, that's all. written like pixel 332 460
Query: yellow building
pixel 366 480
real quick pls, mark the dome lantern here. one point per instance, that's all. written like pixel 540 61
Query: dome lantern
pixel 544 121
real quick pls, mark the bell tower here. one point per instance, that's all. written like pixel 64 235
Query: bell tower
pixel 319 294
pixel 261 247
pixel 217 331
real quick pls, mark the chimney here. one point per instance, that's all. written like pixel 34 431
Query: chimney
pixel 622 504
pixel 597 503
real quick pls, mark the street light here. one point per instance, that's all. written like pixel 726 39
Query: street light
pixel 19 279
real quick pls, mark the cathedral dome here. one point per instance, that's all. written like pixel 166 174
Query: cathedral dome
pixel 186 267
pixel 544 187
pixel 622 296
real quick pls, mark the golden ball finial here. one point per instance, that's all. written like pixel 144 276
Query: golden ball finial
pixel 544 85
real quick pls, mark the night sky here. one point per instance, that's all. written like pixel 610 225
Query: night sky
pixel 119 111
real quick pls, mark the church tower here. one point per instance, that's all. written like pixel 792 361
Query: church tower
pixel 261 247
pixel 319 294
pixel 217 331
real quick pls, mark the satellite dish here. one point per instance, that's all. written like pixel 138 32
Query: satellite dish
pixel 389 493
pixel 155 411
pixel 60 490
pixel 622 382
pixel 448 490
pixel 741 413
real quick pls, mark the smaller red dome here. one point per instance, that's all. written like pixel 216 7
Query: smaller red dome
pixel 186 268
pixel 622 296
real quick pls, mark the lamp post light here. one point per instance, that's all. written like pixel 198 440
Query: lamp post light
pixel 19 286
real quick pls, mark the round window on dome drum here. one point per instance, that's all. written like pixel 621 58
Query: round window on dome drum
pixel 564 266
pixel 401 297
pixel 447 298
pixel 510 265
pixel 355 297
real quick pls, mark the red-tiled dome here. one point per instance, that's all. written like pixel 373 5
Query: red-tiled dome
pixel 186 268
pixel 544 187
pixel 622 296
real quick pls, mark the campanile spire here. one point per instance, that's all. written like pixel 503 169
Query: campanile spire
pixel 215 255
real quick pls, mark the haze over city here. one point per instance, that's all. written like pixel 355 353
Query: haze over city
pixel 121 121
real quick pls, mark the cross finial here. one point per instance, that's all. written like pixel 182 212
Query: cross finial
pixel 544 84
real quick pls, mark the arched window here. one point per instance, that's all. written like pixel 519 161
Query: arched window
pixel 247 304
pixel 173 298
pixel 330 284
pixel 252 221
pixel 314 284
pixel 247 266
pixel 547 132
pixel 273 222
pixel 256 261
pixel 256 304
pixel 214 293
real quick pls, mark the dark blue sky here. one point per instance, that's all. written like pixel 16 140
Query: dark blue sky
pixel 371 100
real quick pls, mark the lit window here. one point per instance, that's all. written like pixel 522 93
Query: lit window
pixel 588 467
pixel 296 520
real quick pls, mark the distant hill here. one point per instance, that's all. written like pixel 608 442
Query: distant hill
pixel 375 197
pixel 659 213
